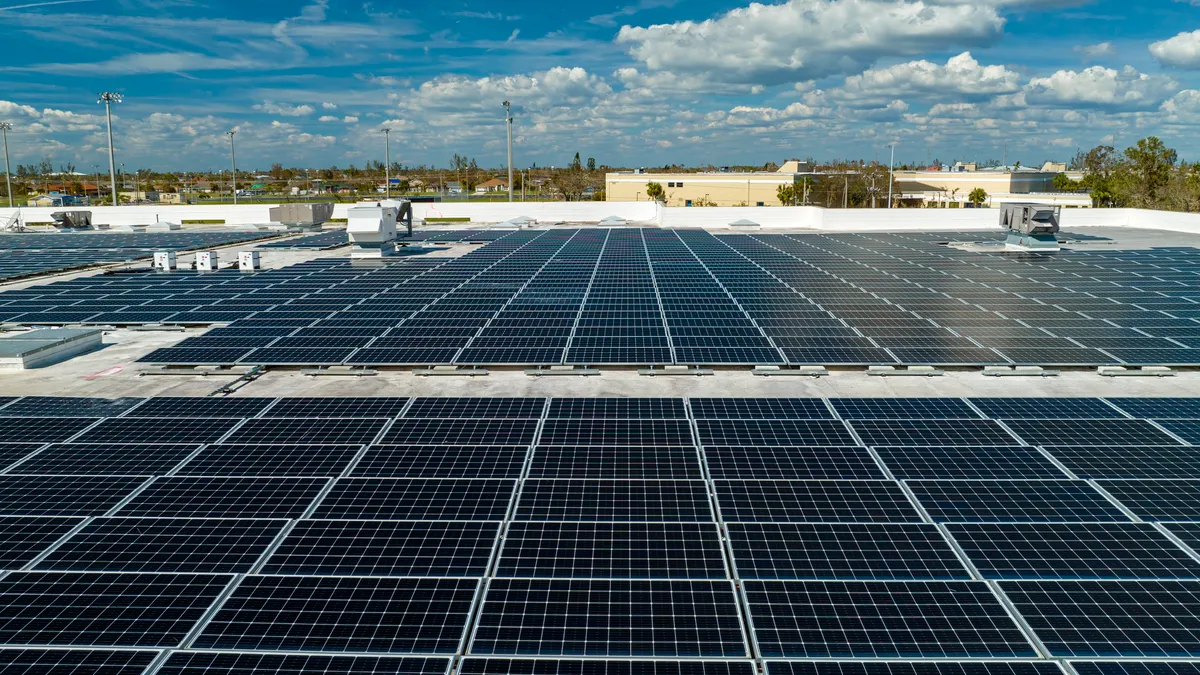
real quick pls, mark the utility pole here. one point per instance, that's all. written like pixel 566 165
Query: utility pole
pixel 891 173
pixel 846 192
pixel 96 170
pixel 508 122
pixel 233 166
pixel 108 98
pixel 4 129
pixel 387 162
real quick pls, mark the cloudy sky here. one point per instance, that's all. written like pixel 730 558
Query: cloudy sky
pixel 634 83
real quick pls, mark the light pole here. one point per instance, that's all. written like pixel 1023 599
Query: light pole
pixel 233 166
pixel 108 98
pixel 387 162
pixel 96 170
pixel 4 129
pixel 508 121
pixel 891 165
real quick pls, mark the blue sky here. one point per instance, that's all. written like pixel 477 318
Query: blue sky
pixel 640 83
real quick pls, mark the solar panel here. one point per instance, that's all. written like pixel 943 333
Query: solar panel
pixel 418 499
pixel 182 406
pixel 612 551
pixel 460 432
pixel 909 462
pixel 902 408
pixel 1090 432
pixel 1157 499
pixel 1073 551
pixel 1144 461
pixel 617 408
pixel 344 408
pixel 413 616
pixel 648 462
pixel 881 619
pixel 614 500
pixel 864 551
pixel 773 432
pixel 305 430
pixel 101 458
pixel 616 432
pixel 1013 500
pixel 226 663
pixel 575 617
pixel 216 545
pixel 23 538
pixel 137 610
pixel 75 661
pixel 231 459
pixel 814 501
pixel 1043 408
pixel 931 432
pixel 1136 667
pixel 385 548
pixel 1111 618
pixel 791 462
pixel 461 408
pixel 915 668
pixel 499 666
pixel 42 429
pixel 63 495
pixel 1159 407
pixel 156 430
pixel 223 497
pixel 64 406
pixel 760 408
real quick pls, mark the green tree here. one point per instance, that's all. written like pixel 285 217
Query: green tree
pixel 786 194
pixel 977 197
pixel 591 163
pixel 1148 168
pixel 576 165
pixel 1063 183
pixel 655 191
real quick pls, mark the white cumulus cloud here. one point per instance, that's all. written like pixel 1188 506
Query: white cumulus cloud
pixel 1181 51
pixel 962 75
pixel 284 109
pixel 807 39
pixel 1124 89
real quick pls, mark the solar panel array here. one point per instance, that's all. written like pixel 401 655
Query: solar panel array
pixel 27 254
pixel 629 296
pixel 322 240
pixel 475 536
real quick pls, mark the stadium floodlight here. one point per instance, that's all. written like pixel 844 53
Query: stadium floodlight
pixel 5 127
pixel 232 166
pixel 108 98
pixel 387 162
pixel 508 122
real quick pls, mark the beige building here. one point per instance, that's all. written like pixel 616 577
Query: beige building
pixel 947 188
pixel 758 188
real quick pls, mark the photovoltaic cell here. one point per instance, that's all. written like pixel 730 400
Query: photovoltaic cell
pixel 220 497
pixel 857 501
pixel 914 462
pixel 68 406
pixel 1111 618
pixel 583 461
pixel 1072 551
pixel 881 619
pixel 218 545
pixel 1045 408
pixel 343 614
pixel 462 408
pixel 75 661
pixel 202 406
pixel 616 432
pixel 102 458
pixel 1145 461
pixel 233 459
pixel 617 408
pixel 345 408
pixel 760 408
pixel 1089 432
pixel 1157 499
pixel 442 461
pixel 22 538
pixel 916 668
pixel 612 551
pixel 902 408
pixel 878 552
pixel 298 431
pixel 460 432
pixel 157 430
pixel 614 500
pixel 499 666
pixel 138 610
pixel 63 495
pixel 559 617
pixel 1013 500
pixel 248 663
pixel 418 499
pixel 773 432
pixel 931 432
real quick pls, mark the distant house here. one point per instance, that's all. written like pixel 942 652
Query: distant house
pixel 454 187
pixel 493 185
pixel 54 199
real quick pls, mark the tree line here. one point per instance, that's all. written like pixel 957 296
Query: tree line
pixel 1148 175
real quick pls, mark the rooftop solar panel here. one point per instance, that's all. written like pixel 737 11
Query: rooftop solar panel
pixel 343 614
pixel 814 501
pixel 75 661
pixel 365 407
pixel 774 432
pixel 180 406
pixel 63 406
pixel 1157 499
pixel 23 538
pixel 499 666
pixel 932 432
pixel 212 545
pixel 225 497
pixel 791 462
pixel 102 458
pixel 914 668
pixel 1042 408
pixel 249 663
pixel 995 462
pixel 385 548
pixel 460 432
pixel 42 429
pixel 617 408
pixel 1013 500
pixel 1158 407
pixel 138 610
pixel 1090 432
pixel 881 619
pixel 549 617
pixel 442 461
pixel 63 495
pixel 1111 618
pixel 233 459
pixel 616 432
pixel 612 551
pixel 156 430
pixel 1136 667
pixel 1145 461
pixel 614 500
pixel 417 499
pixel 510 408
pixel 648 462
pixel 279 430
pixel 842 551
pixel 760 408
